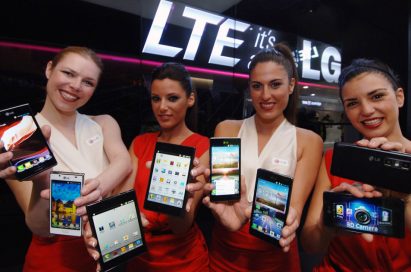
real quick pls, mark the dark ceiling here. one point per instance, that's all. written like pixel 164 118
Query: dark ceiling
pixel 361 28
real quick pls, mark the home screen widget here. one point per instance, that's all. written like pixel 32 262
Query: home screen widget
pixel 270 208
pixel 117 237
pixel 225 169
pixel 63 209
pixel 168 185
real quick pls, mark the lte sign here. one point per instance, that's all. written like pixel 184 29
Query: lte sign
pixel 201 19
pixel 230 43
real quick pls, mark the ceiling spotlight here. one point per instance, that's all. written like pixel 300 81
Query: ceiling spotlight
pixel 305 87
pixel 313 94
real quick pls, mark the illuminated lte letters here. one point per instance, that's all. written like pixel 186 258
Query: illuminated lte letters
pixel 330 69
pixel 201 19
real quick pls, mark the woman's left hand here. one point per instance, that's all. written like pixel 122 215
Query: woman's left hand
pixel 288 232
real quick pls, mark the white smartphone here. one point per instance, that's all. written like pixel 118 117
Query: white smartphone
pixel 65 187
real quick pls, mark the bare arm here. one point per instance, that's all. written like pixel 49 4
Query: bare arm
pixel 128 184
pixel 408 212
pixel 315 236
pixel 309 156
pixel 118 169
pixel 308 164
pixel 120 163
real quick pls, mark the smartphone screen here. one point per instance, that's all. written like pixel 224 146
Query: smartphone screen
pixel 270 205
pixel 21 135
pixel 65 187
pixel 225 168
pixel 116 224
pixel 168 179
pixel 384 216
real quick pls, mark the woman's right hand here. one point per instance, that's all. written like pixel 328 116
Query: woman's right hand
pixel 231 214
pixel 91 241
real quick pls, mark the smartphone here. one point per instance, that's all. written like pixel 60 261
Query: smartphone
pixel 65 187
pixel 170 172
pixel 271 203
pixel 116 224
pixel 387 169
pixel 225 166
pixel 383 216
pixel 21 135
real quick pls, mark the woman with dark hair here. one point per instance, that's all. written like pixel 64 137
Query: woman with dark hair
pixel 269 140
pixel 72 77
pixel 174 243
pixel 371 97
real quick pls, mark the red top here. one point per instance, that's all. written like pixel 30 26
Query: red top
pixel 353 253
pixel 60 253
pixel 240 251
pixel 166 251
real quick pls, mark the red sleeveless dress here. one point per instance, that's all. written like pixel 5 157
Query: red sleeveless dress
pixel 60 253
pixel 166 251
pixel 240 251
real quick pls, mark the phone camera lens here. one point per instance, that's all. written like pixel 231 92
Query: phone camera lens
pixel 362 216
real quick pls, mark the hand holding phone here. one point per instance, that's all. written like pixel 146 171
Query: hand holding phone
pixel 116 224
pixel 231 214
pixel 65 187
pixel 387 169
pixel 225 167
pixel 170 173
pixel 21 134
pixel 383 216
pixel 271 203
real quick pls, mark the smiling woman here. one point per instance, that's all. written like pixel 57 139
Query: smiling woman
pixel 85 144
pixel 372 98
pixel 271 141
pixel 174 243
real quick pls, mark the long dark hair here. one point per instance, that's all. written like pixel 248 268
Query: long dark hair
pixel 176 71
pixel 281 54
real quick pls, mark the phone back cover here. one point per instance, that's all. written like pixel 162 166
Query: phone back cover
pixel 377 167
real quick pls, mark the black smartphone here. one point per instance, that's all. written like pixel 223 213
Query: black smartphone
pixel 383 216
pixel 170 173
pixel 271 203
pixel 116 223
pixel 387 169
pixel 22 135
pixel 65 187
pixel 225 166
